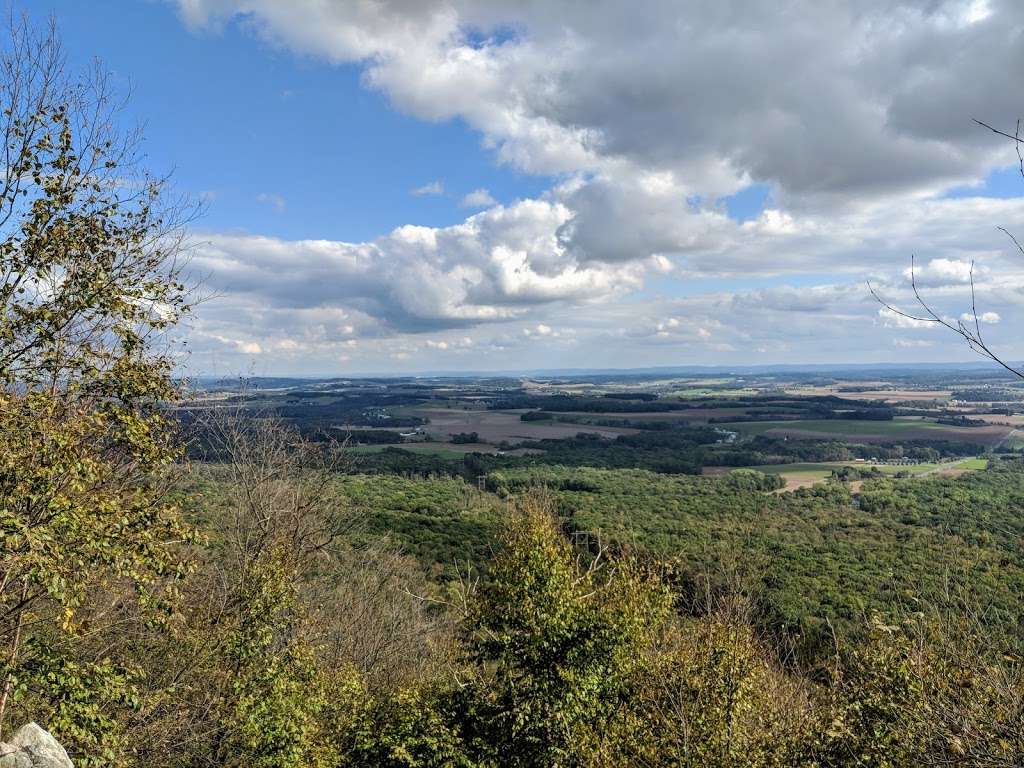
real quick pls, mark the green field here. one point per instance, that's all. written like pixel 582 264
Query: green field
pixel 870 430
pixel 973 464
pixel 835 426
pixel 798 470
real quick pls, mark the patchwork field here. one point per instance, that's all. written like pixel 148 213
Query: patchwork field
pixel 691 414
pixel 908 428
pixel 497 426
pixel 441 450
pixel 884 394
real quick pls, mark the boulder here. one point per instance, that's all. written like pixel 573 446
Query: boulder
pixel 33 747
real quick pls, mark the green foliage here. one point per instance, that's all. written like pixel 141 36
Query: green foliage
pixel 78 700
pixel 561 660
pixel 717 697
pixel 811 557
pixel 275 696
pixel 881 704
pixel 563 644
pixel 72 512
pixel 87 255
pixel 409 729
pixel 441 521
pixel 922 691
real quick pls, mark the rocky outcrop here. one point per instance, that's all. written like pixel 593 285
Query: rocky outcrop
pixel 33 747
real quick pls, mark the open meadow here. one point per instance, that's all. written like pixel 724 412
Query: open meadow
pixel 803 475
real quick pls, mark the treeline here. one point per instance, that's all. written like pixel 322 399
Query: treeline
pixel 368 412
pixel 676 448
pixel 357 436
pixel 997 395
pixel 642 396
pixel 679 450
pixel 762 449
pixel 763 406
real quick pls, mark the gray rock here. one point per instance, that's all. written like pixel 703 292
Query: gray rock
pixel 33 747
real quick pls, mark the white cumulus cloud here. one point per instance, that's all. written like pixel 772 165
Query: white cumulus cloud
pixel 478 198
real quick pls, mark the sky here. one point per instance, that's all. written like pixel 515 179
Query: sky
pixel 441 185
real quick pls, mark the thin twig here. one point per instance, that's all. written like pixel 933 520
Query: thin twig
pixel 974 339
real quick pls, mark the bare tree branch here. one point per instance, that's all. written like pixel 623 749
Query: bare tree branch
pixel 1015 137
pixel 974 338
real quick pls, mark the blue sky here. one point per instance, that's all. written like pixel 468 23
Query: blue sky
pixel 242 120
pixel 237 118
pixel 639 196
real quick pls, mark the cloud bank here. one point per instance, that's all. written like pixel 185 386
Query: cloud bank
pixel 856 117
